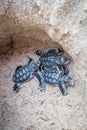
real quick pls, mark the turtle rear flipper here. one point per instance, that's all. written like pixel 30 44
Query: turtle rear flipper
pixel 16 87
pixel 62 88
pixel 41 81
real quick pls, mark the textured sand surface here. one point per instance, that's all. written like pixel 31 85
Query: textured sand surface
pixel 28 25
pixel 32 110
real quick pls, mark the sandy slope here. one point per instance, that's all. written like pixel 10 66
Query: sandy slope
pixel 32 110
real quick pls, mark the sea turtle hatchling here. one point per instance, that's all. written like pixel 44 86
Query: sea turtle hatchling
pixel 47 76
pixel 54 59
pixel 24 73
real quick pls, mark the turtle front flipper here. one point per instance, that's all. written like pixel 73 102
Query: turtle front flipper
pixel 62 88
pixel 18 67
pixel 39 52
pixel 16 87
pixel 41 81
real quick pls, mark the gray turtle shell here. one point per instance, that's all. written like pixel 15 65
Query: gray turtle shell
pixel 48 59
pixel 50 76
pixel 22 74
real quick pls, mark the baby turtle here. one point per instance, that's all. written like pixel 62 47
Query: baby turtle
pixel 47 76
pixel 24 73
pixel 53 59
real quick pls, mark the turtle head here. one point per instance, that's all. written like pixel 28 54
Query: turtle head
pixel 67 79
pixel 64 60
pixel 33 64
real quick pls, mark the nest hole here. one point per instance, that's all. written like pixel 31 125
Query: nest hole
pixel 27 42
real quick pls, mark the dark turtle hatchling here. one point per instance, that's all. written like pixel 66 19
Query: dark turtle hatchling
pixel 53 77
pixel 24 73
pixel 52 59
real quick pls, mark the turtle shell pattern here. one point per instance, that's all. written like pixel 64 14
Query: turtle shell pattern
pixel 48 59
pixel 22 74
pixel 50 76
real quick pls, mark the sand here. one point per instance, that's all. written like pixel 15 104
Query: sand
pixel 30 109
